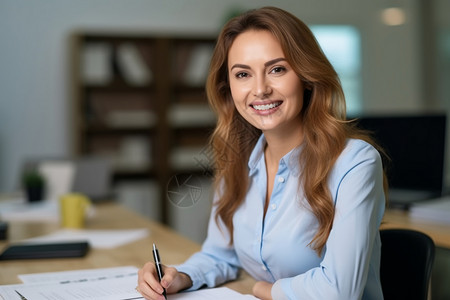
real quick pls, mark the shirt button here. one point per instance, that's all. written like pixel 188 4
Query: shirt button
pixel 274 206
pixel 264 267
pixel 280 179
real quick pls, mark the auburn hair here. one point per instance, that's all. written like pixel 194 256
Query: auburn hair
pixel 324 118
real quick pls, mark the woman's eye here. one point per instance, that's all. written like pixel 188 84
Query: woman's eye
pixel 241 75
pixel 278 70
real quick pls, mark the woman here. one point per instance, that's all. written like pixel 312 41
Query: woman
pixel 299 190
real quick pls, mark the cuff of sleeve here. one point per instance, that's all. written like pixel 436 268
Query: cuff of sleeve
pixel 281 290
pixel 196 277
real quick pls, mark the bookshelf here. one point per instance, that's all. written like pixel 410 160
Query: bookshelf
pixel 139 100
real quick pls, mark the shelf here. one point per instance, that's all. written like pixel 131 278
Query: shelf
pixel 191 115
pixel 105 130
pixel 117 87
pixel 140 101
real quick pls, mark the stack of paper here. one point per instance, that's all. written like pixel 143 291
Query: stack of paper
pixel 101 239
pixel 437 210
pixel 19 209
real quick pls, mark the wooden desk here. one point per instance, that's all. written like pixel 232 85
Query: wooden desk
pixel 173 247
pixel 440 233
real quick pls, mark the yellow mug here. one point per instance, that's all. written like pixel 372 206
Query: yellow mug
pixel 73 209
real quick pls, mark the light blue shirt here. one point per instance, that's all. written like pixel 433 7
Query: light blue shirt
pixel 276 248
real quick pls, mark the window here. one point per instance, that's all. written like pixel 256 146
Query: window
pixel 342 46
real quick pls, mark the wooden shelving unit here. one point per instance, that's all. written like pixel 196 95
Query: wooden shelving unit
pixel 139 100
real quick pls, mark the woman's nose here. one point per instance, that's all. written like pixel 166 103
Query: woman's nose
pixel 261 88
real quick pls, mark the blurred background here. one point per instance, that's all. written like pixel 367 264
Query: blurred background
pixel 123 80
pixel 393 57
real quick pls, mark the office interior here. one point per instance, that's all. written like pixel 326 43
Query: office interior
pixel 403 68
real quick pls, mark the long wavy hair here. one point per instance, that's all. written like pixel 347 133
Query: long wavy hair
pixel 323 117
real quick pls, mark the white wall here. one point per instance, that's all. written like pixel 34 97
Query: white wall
pixel 35 112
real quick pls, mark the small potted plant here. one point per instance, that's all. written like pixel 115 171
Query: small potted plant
pixel 34 185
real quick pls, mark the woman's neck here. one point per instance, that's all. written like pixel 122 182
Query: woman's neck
pixel 281 143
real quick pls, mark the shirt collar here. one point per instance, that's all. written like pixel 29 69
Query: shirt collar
pixel 291 159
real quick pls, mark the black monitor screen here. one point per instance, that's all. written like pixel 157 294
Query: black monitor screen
pixel 416 147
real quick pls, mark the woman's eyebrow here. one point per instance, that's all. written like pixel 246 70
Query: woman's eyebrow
pixel 274 61
pixel 266 64
pixel 240 66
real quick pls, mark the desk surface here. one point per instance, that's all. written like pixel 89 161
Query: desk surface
pixel 440 233
pixel 173 247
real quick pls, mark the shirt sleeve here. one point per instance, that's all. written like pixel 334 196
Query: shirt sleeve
pixel 357 182
pixel 216 263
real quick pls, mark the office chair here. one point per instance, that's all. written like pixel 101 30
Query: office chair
pixel 406 261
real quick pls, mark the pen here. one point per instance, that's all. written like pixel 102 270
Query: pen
pixel 21 297
pixel 158 267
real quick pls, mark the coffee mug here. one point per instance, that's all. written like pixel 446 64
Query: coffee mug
pixel 74 208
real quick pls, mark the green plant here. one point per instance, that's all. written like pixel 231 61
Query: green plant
pixel 33 179
pixel 34 185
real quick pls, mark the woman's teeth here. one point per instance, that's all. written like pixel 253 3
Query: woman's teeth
pixel 266 106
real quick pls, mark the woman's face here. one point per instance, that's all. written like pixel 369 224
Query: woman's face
pixel 265 89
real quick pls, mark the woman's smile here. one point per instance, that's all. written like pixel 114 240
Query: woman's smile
pixel 266 107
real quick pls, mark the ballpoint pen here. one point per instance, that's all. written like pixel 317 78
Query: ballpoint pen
pixel 158 267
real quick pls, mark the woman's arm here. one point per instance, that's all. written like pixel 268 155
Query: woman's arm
pixel 352 250
pixel 216 263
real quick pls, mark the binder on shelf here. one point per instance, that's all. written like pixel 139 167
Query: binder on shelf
pixel 135 151
pixel 189 158
pixel 132 65
pixel 198 64
pixel 131 119
pixel 95 63
pixel 189 115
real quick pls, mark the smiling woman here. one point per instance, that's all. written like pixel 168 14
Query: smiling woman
pixel 299 191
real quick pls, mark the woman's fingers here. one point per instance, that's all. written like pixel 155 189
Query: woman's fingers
pixel 170 274
pixel 151 288
pixel 148 282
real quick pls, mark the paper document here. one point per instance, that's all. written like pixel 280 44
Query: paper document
pixel 118 289
pixel 436 210
pixel 79 275
pixel 109 289
pixel 19 209
pixel 117 283
pixel 106 283
pixel 222 293
pixel 8 292
pixel 105 239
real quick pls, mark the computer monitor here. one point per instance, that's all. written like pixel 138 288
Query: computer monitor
pixel 416 147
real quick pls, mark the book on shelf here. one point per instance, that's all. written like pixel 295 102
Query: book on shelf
pixel 131 119
pixel 188 115
pixel 132 65
pixel 197 68
pixel 190 158
pixel 95 63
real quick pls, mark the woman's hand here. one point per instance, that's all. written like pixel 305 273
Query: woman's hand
pixel 262 290
pixel 150 287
